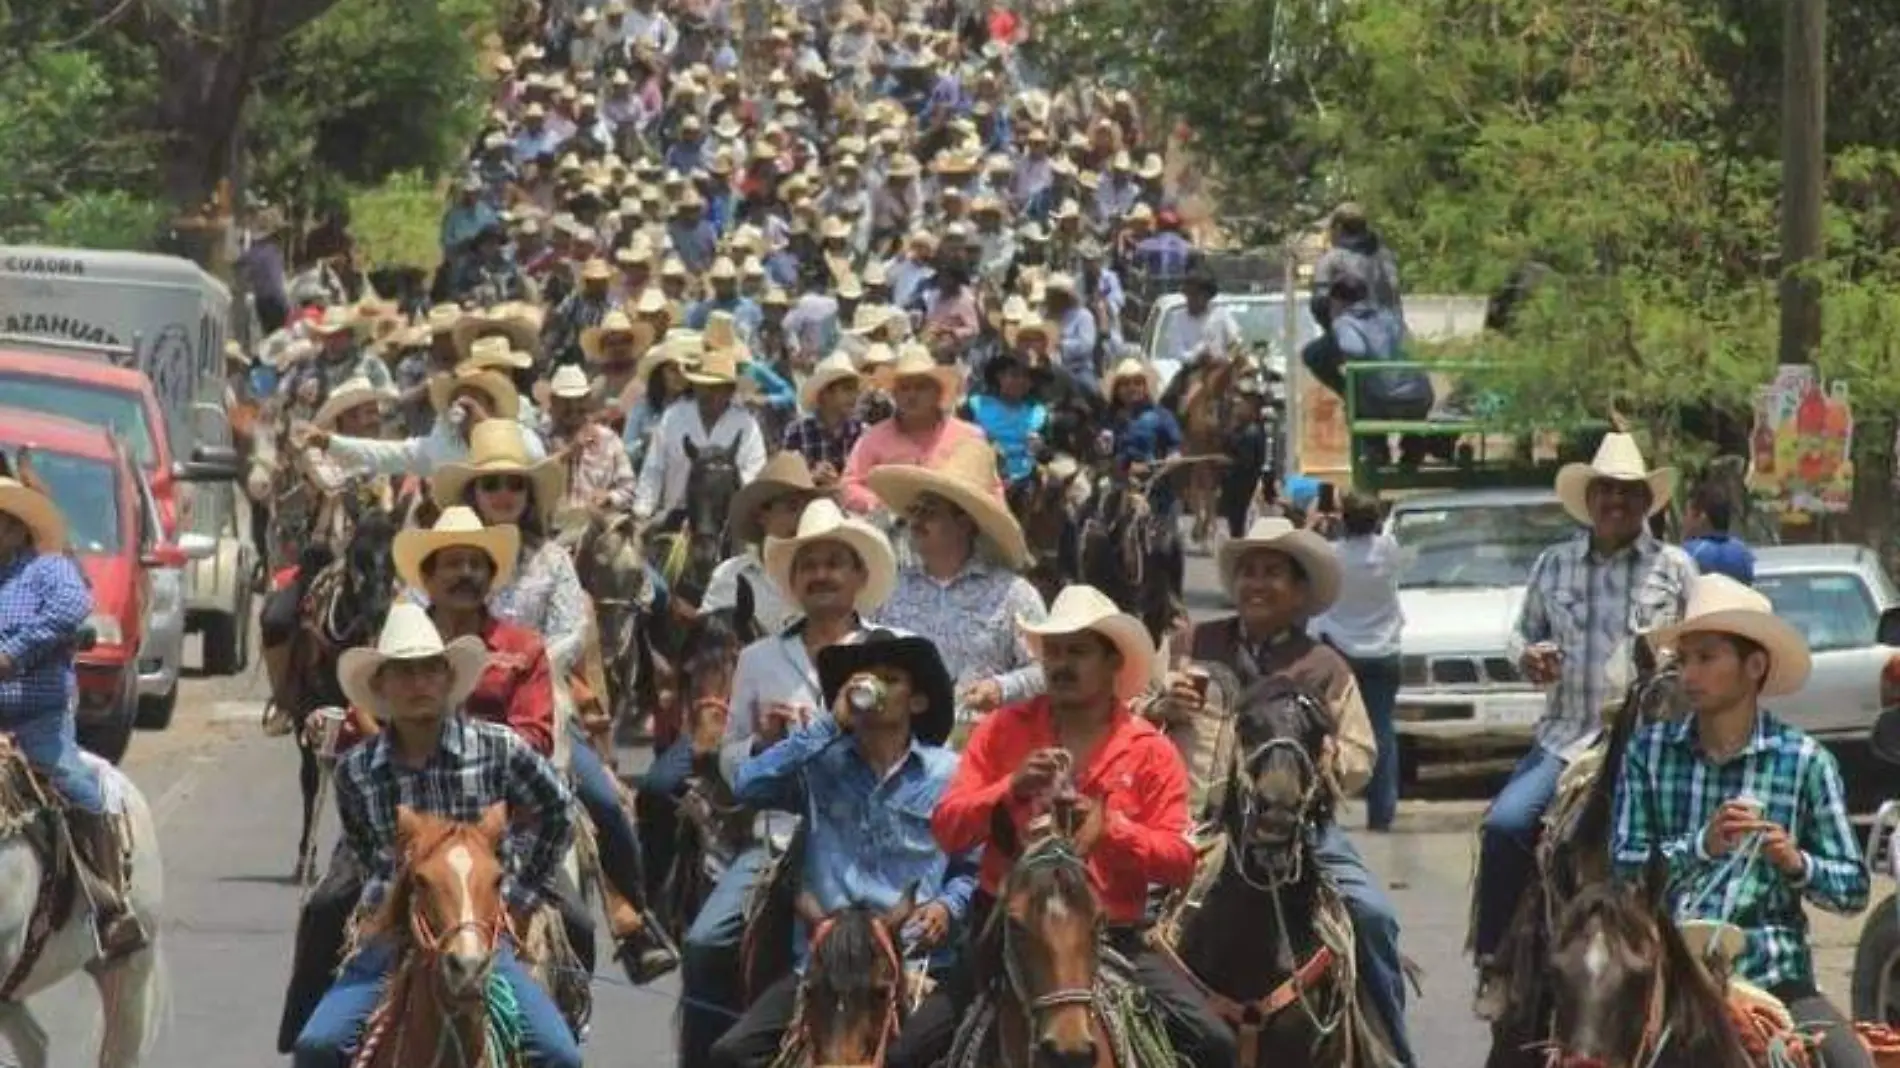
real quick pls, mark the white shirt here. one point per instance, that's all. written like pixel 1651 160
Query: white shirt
pixel 1216 332
pixel 444 444
pixel 662 485
pixel 769 605
pixel 1366 619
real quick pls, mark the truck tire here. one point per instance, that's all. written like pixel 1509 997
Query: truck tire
pixel 155 713
pixel 223 649
pixel 1877 964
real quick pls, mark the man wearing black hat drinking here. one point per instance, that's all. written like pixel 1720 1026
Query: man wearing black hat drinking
pixel 866 776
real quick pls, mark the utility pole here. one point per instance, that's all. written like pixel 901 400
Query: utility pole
pixel 1803 173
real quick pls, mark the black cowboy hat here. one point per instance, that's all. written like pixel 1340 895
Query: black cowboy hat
pixel 994 367
pixel 918 658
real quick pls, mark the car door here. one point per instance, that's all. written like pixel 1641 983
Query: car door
pixel 146 526
pixel 1838 612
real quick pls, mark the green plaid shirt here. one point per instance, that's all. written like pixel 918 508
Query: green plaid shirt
pixel 1668 793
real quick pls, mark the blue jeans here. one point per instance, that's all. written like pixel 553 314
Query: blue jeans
pixel 1376 926
pixel 1507 851
pixel 666 776
pixel 709 961
pixel 48 740
pixel 1379 687
pixel 336 1027
pixel 619 840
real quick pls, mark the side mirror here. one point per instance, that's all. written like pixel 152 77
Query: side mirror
pixel 198 546
pixel 1884 740
pixel 1888 633
pixel 85 638
pixel 208 463
pixel 166 556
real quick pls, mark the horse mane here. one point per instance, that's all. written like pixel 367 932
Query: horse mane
pixel 844 963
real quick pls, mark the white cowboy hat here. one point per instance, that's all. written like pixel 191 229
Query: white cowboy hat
pixel 1620 460
pixel 457 525
pixel 570 383
pixel 1720 605
pixel 519 322
pixel 409 634
pixel 1078 608
pixel 966 477
pixel 1129 367
pixel 1312 552
pixel 915 361
pixel 785 473
pixel 354 393
pixel 833 369
pixel 495 448
pixel 37 511
pixel 823 520
pixel 505 403
pixel 494 354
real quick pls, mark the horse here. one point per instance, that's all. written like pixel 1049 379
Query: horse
pixel 1131 555
pixel 1044 505
pixel 1206 411
pixel 1267 881
pixel 691 541
pixel 608 562
pixel 46 926
pixel 855 994
pixel 1628 992
pixel 341 605
pixel 447 913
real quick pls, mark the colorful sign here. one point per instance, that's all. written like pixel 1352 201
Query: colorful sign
pixel 1802 446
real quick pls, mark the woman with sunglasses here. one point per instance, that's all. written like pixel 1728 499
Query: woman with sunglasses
pixel 506 488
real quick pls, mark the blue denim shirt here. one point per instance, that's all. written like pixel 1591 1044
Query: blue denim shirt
pixel 1722 554
pixel 866 839
pixel 43 601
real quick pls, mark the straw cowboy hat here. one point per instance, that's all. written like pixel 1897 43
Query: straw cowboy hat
pixel 829 371
pixel 354 393
pixel 722 332
pixel 519 323
pixel 37 511
pixel 681 348
pixel 1620 460
pixel 783 475
pixel 1312 552
pixel 915 656
pixel 457 525
pixel 967 479
pixel 915 361
pixel 615 324
pixel 1129 367
pixel 409 634
pixel 494 354
pixel 1079 608
pixel 504 402
pixel 570 383
pixel 1720 605
pixel 715 367
pixel 495 448
pixel 823 520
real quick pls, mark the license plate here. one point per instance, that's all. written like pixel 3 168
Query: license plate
pixel 1513 711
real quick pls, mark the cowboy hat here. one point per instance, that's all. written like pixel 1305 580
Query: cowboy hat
pixel 1129 367
pixel 504 402
pixel 682 348
pixel 785 473
pixel 1720 605
pixel 494 354
pixel 1078 608
pixel 722 332
pixel 457 525
pixel 38 511
pixel 833 369
pixel 495 448
pixel 570 383
pixel 915 656
pixel 823 520
pixel 354 393
pixel 966 478
pixel 1314 555
pixel 615 323
pixel 336 319
pixel 409 634
pixel 915 361
pixel 1620 460
pixel 715 367
pixel 519 323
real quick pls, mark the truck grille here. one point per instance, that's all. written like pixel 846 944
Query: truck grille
pixel 1426 672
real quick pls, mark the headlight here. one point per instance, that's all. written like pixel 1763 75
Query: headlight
pixel 106 629
pixel 167 590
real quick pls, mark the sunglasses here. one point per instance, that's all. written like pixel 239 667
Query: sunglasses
pixel 502 484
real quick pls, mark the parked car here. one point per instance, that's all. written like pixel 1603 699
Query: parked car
pixel 124 402
pixel 113 531
pixel 1836 595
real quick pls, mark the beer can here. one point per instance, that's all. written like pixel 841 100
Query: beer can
pixel 1198 678
pixel 865 695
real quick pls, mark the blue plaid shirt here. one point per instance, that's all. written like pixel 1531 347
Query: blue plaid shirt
pixel 1668 793
pixel 809 438
pixel 43 601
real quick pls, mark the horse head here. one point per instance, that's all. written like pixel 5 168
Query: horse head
pixel 1277 786
pixel 369 576
pixel 449 895
pixel 710 485
pixel 708 658
pixel 1044 939
pixel 854 987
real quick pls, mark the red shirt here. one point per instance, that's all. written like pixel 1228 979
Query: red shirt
pixel 516 688
pixel 1136 776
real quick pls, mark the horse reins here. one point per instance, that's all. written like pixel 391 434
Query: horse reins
pixel 1653 1039
pixel 1056 852
pixel 893 1014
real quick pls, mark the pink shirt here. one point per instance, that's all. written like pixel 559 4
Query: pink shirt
pixel 885 444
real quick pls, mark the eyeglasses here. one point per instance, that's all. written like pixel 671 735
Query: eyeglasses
pixel 502 484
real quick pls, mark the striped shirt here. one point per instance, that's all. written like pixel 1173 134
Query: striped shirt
pixel 477 765
pixel 1668 793
pixel 1591 607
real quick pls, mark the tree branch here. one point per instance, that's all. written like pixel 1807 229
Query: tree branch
pixel 278 19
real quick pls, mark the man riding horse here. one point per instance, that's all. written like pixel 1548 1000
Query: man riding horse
pixel 1747 811
pixel 434 761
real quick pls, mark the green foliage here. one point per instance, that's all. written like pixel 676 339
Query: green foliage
pixel 397 224
pixel 72 160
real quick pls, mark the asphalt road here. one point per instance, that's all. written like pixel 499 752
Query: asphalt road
pixel 226 801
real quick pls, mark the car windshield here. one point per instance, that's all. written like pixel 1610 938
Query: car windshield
pixel 116 410
pixel 1476 545
pixel 87 492
pixel 1261 322
pixel 1832 608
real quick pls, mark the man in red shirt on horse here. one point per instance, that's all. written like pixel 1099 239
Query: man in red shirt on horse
pixel 1128 778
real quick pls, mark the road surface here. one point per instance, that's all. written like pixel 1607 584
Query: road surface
pixel 226 801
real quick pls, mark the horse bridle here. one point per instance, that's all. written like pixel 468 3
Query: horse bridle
pixel 1250 809
pixel 1650 1043
pixel 893 1012
pixel 434 944
pixel 1051 853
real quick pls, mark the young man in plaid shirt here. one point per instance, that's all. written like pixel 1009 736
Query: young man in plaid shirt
pixel 1747 811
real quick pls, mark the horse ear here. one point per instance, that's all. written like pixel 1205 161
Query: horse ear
pixel 494 823
pixel 408 824
pixel 899 913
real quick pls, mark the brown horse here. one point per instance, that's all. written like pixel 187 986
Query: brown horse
pixel 447 913
pixel 1044 505
pixel 609 563
pixel 1206 413
pixel 854 997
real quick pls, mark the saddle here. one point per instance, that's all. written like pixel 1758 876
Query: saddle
pixel 31 808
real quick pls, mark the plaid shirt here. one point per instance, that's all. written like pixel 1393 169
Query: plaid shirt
pixel 477 765
pixel 809 438
pixel 1592 607
pixel 43 600
pixel 1669 792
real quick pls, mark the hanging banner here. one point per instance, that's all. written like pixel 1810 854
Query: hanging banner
pixel 1802 445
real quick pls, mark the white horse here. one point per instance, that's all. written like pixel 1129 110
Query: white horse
pixel 132 990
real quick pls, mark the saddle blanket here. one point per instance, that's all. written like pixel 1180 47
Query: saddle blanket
pixel 113 783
